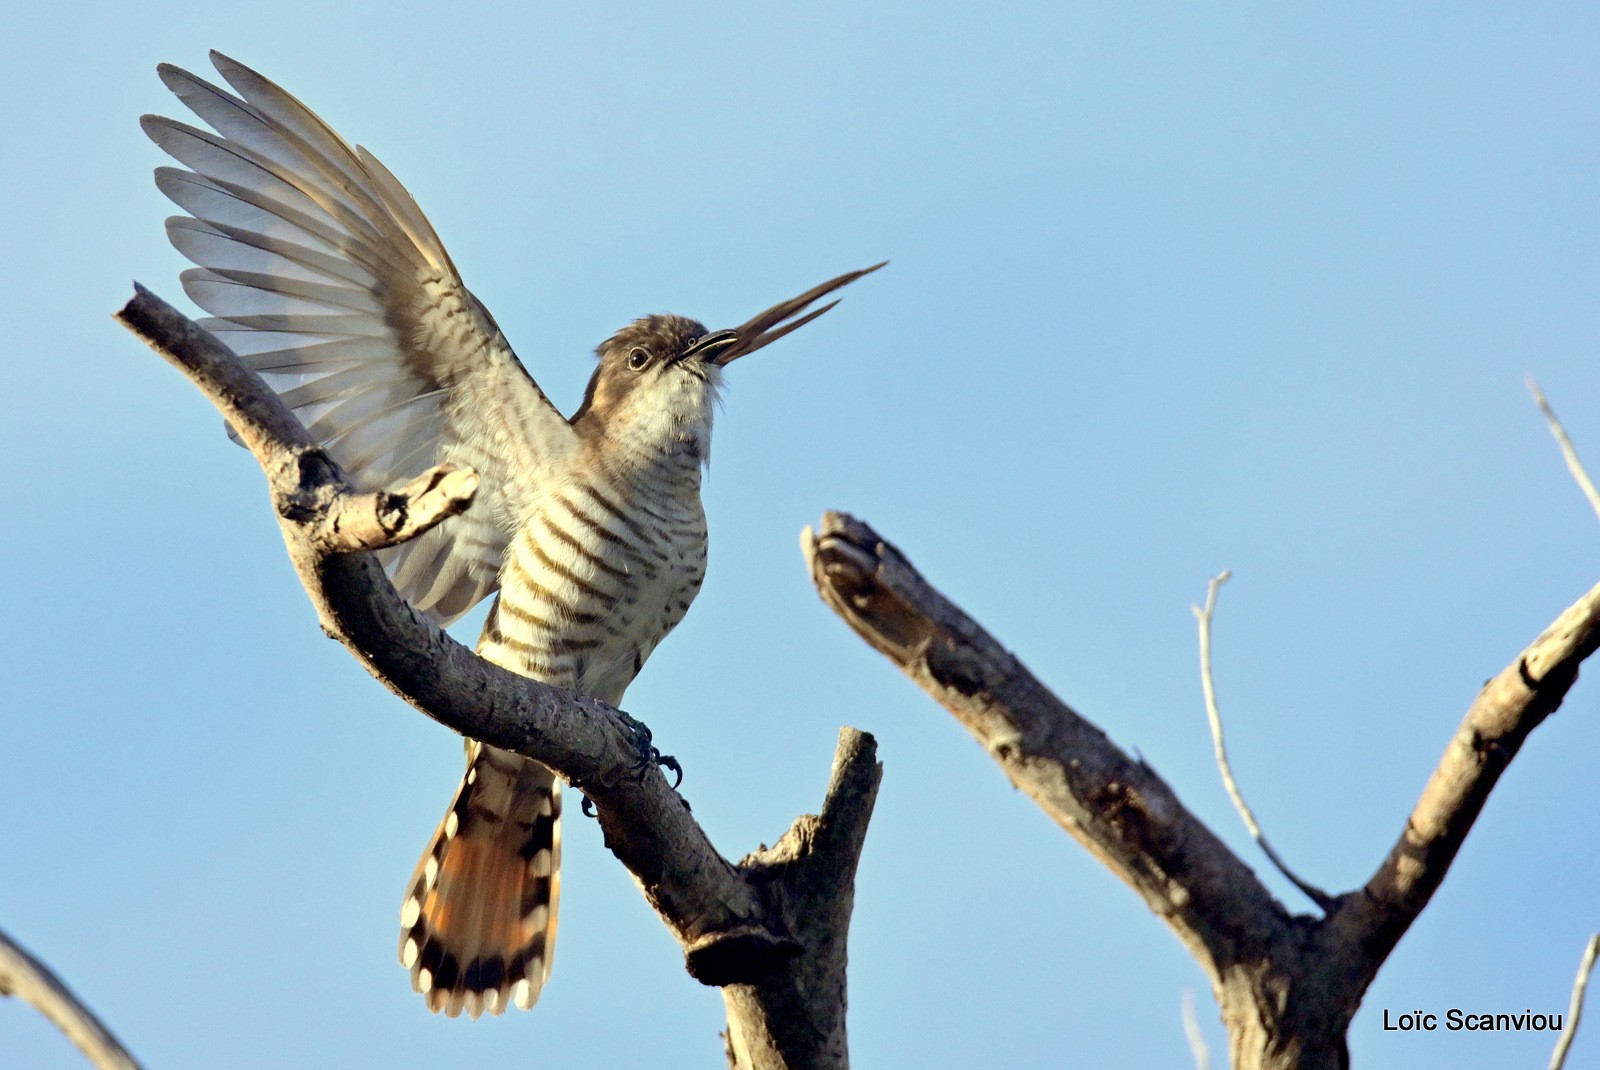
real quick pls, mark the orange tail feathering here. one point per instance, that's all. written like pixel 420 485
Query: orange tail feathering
pixel 478 926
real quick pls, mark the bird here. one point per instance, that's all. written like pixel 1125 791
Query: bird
pixel 321 273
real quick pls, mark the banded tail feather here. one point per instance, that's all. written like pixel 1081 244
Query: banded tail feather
pixel 478 925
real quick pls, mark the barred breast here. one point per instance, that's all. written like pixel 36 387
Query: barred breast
pixel 602 569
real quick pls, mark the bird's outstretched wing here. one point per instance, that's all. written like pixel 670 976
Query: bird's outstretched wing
pixel 325 277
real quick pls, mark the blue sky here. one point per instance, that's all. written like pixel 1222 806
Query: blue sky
pixel 1173 289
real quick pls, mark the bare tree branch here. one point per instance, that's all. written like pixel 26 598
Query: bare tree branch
pixel 1510 706
pixel 1288 985
pixel 1569 452
pixel 1116 807
pixel 1191 1033
pixel 31 981
pixel 815 861
pixel 1214 717
pixel 1569 1028
pixel 736 924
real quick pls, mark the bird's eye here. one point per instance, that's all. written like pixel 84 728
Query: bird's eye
pixel 637 359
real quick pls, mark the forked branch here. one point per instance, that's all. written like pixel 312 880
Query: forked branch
pixel 1288 985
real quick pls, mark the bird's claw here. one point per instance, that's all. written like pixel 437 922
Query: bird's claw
pixel 639 769
pixel 667 761
pixel 646 753
pixel 646 757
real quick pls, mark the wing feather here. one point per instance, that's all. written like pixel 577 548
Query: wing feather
pixel 321 272
pixel 219 247
pixel 323 296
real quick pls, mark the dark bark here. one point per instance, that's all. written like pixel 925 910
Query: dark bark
pixel 1288 984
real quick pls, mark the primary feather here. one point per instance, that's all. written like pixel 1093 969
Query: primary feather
pixel 323 274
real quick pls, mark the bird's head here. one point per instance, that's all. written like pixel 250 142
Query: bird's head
pixel 657 381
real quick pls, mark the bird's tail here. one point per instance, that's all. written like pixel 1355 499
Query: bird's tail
pixel 478 925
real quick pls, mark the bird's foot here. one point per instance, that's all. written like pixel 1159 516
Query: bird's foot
pixel 638 769
pixel 645 757
pixel 639 739
pixel 667 761
pixel 646 753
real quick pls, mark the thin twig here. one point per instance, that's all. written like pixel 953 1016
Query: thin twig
pixel 1191 1032
pixel 1569 1029
pixel 31 981
pixel 1568 451
pixel 1312 892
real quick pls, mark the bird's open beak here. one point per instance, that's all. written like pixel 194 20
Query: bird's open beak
pixel 724 347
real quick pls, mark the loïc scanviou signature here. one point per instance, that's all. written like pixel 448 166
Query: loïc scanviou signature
pixel 1457 1020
